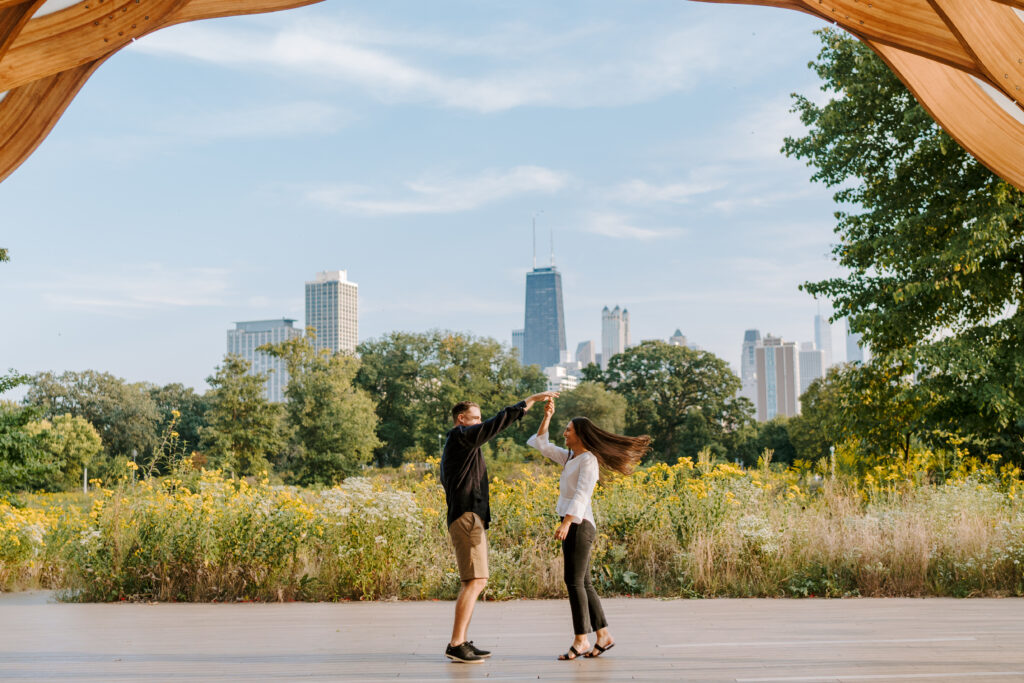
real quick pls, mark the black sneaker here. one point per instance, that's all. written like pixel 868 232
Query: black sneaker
pixel 478 652
pixel 463 653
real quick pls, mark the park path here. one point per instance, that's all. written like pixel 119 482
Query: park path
pixel 776 641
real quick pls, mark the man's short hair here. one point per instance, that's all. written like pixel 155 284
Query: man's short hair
pixel 461 407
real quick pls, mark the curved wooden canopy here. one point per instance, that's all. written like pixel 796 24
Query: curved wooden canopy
pixel 46 57
pixel 962 59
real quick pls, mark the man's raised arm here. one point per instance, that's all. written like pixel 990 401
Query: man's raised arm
pixel 480 434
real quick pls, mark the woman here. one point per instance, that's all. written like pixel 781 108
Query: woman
pixel 588 448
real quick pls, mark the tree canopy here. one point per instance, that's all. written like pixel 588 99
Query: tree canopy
pixel 123 413
pixel 932 242
pixel 333 422
pixel 416 378
pixel 685 399
pixel 243 429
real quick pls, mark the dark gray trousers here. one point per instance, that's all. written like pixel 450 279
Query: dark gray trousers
pixel 587 614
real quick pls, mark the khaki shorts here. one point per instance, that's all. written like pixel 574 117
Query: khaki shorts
pixel 470 540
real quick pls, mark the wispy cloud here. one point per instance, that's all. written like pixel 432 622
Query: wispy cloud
pixel 759 133
pixel 621 227
pixel 604 64
pixel 436 195
pixel 183 130
pixel 280 120
pixel 758 197
pixel 643 192
pixel 138 289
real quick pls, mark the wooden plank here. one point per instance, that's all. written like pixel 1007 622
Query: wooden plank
pixel 964 110
pixel 79 35
pixel 29 113
pixel 994 35
pixel 211 9
pixel 935 47
pixel 13 18
pixel 911 25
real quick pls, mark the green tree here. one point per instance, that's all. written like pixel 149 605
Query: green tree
pixel 123 413
pixel 685 399
pixel 243 429
pixel 4 256
pixel 415 379
pixel 933 243
pixel 334 423
pixel 25 461
pixel 191 407
pixel 874 406
pixel 775 436
pixel 606 408
pixel 72 444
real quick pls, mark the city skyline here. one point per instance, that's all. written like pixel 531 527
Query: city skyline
pixel 414 146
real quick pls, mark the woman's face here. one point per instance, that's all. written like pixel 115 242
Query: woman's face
pixel 571 440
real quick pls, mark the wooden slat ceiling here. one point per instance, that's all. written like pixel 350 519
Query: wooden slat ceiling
pixel 44 61
pixel 940 49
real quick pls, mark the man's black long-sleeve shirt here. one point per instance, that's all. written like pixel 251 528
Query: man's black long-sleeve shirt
pixel 463 472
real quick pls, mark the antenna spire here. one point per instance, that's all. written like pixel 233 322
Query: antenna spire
pixel 535 241
pixel 535 214
pixel 552 247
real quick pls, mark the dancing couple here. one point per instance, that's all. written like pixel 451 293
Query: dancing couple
pixel 464 477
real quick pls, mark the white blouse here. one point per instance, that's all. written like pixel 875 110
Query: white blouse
pixel 579 476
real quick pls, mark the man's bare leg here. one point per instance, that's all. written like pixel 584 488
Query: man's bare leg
pixel 464 604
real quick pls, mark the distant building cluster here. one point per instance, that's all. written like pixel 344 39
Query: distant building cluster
pixel 774 373
pixel 332 312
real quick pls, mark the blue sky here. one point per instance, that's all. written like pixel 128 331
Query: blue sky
pixel 206 172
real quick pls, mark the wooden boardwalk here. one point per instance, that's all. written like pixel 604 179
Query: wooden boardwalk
pixel 658 640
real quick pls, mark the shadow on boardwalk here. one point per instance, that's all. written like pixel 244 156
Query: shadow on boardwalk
pixel 658 640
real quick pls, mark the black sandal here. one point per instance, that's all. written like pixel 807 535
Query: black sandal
pixel 597 650
pixel 574 652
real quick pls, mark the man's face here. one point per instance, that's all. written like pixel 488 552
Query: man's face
pixel 469 417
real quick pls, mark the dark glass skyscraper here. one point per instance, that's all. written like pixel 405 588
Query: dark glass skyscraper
pixel 544 329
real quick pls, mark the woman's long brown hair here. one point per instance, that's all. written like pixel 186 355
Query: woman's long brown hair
pixel 614 451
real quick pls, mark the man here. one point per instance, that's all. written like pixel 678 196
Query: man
pixel 464 477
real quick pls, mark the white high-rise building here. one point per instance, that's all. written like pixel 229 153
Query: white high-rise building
pixel 332 310
pixel 248 336
pixel 614 333
pixel 812 365
pixel 586 354
pixel 561 378
pixel 854 345
pixel 823 337
pixel 677 339
pixel 748 365
pixel 778 378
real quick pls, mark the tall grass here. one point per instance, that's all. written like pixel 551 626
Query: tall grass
pixel 690 529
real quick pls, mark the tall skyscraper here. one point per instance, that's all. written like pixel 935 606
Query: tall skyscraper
pixel 854 345
pixel 677 339
pixel 778 378
pixel 332 310
pixel 517 342
pixel 544 328
pixel 586 354
pixel 823 337
pixel 748 365
pixel 614 333
pixel 812 365
pixel 247 336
